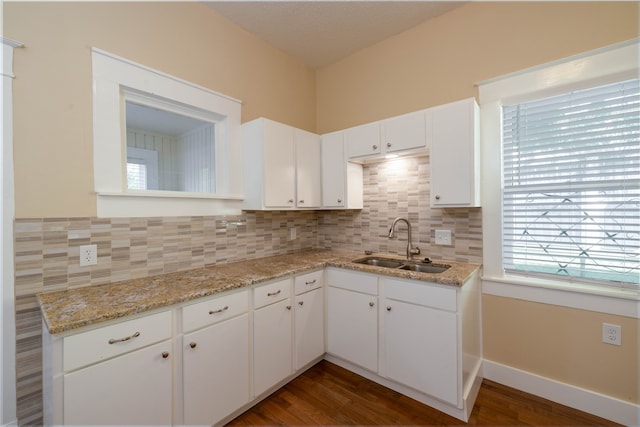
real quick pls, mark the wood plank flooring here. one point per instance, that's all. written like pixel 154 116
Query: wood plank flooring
pixel 329 395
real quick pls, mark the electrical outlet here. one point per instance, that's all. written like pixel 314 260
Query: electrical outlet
pixel 443 237
pixel 611 334
pixel 292 233
pixel 88 255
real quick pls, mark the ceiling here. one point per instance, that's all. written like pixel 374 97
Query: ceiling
pixel 320 32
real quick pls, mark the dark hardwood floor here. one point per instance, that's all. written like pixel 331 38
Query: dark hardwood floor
pixel 329 395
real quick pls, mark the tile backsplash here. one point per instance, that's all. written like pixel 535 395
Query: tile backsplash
pixel 47 249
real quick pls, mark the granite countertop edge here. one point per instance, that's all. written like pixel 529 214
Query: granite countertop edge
pixel 66 310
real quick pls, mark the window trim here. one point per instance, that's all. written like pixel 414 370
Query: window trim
pixel 606 65
pixel 112 77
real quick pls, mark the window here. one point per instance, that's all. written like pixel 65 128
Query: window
pixel 176 142
pixel 142 169
pixel 571 184
pixel 193 132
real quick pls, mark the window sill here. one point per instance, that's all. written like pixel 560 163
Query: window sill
pixel 168 195
pixel 165 203
pixel 604 299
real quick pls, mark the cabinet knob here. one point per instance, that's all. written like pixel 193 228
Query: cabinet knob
pixel 165 354
pixel 288 307
pixel 339 200
pixel 388 145
pixel 290 200
pixel 193 345
pixel 301 302
pixel 301 201
pixel 371 304
pixel 375 147
pixel 388 308
pixel 437 197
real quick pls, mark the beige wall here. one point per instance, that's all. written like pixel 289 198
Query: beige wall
pixel 441 60
pixel 564 344
pixel 52 91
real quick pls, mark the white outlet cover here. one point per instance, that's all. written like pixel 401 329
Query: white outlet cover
pixel 611 334
pixel 88 255
pixel 443 237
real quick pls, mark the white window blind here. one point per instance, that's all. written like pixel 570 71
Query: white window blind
pixel 571 196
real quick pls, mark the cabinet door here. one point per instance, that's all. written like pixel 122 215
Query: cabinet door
pixel 134 388
pixel 362 141
pixel 333 170
pixel 279 165
pixel 216 371
pixel 404 132
pixel 308 175
pixel 454 163
pixel 272 345
pixel 309 327
pixel 420 349
pixel 352 327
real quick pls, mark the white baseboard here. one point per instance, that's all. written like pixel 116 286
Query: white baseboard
pixel 584 400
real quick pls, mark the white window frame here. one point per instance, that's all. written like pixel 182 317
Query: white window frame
pixel 607 65
pixel 113 77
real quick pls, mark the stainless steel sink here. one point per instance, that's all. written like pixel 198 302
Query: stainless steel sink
pixel 380 262
pixel 419 266
pixel 426 268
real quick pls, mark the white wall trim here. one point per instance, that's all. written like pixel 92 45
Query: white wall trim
pixel 610 301
pixel 8 412
pixel 598 404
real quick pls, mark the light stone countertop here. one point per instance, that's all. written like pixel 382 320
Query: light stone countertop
pixel 74 308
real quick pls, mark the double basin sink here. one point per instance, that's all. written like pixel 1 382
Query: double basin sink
pixel 419 266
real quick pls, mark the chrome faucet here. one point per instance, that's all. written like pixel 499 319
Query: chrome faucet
pixel 411 251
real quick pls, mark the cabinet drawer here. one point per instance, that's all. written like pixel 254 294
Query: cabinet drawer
pixel 214 310
pixel 272 292
pixel 353 281
pixel 421 293
pixel 102 343
pixel 308 281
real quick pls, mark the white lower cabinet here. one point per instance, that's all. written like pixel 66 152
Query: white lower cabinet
pixel 413 341
pixel 422 355
pixel 121 373
pixel 272 335
pixel 352 317
pixel 132 389
pixel 309 319
pixel 215 361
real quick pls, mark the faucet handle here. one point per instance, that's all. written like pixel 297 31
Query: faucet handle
pixel 415 251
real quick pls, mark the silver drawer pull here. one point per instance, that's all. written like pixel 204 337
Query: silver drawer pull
pixel 272 294
pixel 130 337
pixel 225 308
pixel 310 282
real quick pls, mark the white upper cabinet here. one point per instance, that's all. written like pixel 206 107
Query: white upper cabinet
pixel 400 135
pixel 453 133
pixel 406 132
pixel 282 166
pixel 363 141
pixel 308 169
pixel 341 180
